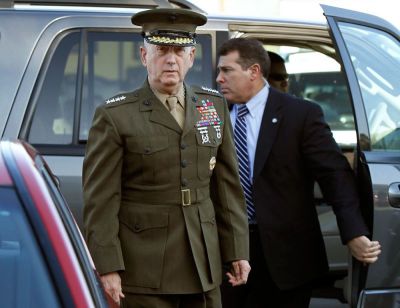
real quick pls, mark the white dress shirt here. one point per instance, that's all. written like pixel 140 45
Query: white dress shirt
pixel 256 106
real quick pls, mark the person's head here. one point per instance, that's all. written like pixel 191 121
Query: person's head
pixel 168 51
pixel 278 77
pixel 242 64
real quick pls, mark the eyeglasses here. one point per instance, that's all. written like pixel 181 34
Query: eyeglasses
pixel 279 77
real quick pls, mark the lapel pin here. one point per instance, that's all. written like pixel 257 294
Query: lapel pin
pixel 274 120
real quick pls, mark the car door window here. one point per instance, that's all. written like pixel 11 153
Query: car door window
pixel 112 66
pixel 52 121
pixel 25 280
pixel 375 56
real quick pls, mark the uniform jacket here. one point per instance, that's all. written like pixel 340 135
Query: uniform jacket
pixel 295 147
pixel 137 164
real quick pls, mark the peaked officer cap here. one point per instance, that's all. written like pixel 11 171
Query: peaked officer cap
pixel 169 26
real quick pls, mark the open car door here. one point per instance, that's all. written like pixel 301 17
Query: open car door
pixel 369 49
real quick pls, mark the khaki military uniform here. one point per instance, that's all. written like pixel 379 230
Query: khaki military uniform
pixel 163 205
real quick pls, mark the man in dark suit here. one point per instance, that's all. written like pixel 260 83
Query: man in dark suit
pixel 289 146
pixel 163 202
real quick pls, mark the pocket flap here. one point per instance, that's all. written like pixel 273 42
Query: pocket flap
pixel 147 145
pixel 139 222
pixel 212 141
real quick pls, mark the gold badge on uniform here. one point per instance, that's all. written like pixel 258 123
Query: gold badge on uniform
pixel 213 161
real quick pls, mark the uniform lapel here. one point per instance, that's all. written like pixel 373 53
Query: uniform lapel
pixel 192 116
pixel 270 123
pixel 159 114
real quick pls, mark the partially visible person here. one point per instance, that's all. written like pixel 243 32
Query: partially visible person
pixel 284 144
pixel 277 76
pixel 163 202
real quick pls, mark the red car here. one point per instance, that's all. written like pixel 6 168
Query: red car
pixel 44 261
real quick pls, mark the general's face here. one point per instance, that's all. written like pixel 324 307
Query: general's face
pixel 234 81
pixel 278 77
pixel 167 65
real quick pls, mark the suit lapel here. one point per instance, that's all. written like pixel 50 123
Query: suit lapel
pixel 159 114
pixel 270 123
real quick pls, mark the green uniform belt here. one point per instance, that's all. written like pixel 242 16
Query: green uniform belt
pixel 184 197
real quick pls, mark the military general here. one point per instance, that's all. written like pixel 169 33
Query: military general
pixel 164 208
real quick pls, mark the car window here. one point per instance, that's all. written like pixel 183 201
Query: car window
pixel 80 77
pixel 25 280
pixel 375 56
pixel 52 121
pixel 112 66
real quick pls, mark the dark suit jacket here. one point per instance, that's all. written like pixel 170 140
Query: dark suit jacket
pixel 295 147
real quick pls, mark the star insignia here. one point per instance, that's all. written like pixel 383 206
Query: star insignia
pixel 115 99
pixel 210 90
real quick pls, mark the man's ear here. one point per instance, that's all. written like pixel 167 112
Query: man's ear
pixel 192 55
pixel 255 71
pixel 143 54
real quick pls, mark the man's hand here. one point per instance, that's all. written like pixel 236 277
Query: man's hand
pixel 364 250
pixel 112 285
pixel 239 273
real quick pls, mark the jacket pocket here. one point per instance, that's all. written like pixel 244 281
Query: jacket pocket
pixel 145 157
pixel 206 156
pixel 143 238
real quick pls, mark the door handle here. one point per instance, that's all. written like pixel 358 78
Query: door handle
pixel 394 194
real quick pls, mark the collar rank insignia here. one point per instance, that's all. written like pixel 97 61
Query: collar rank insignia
pixel 210 90
pixel 115 99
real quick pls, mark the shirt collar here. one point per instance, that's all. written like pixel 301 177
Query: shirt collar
pixel 163 97
pixel 258 100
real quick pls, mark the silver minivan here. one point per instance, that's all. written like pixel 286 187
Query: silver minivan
pixel 58 61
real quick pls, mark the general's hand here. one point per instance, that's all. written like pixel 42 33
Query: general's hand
pixel 239 273
pixel 364 250
pixel 112 285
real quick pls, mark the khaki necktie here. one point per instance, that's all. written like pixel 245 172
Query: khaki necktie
pixel 173 106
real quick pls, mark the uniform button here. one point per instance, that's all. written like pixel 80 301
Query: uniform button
pixel 184 182
pixel 136 227
pixel 147 150
pixel 147 103
pixel 183 146
pixel 184 163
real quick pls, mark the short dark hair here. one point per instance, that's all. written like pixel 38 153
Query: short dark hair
pixel 275 58
pixel 250 51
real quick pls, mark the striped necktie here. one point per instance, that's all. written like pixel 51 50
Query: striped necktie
pixel 240 136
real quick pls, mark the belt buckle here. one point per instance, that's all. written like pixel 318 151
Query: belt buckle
pixel 186 199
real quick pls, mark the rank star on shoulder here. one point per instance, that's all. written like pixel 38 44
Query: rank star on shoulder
pixel 116 99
